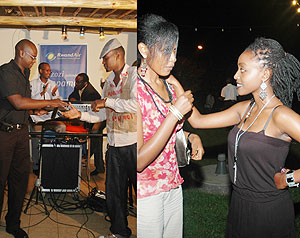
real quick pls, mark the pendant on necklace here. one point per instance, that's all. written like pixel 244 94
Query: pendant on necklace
pixel 235 170
pixel 248 114
pixel 235 159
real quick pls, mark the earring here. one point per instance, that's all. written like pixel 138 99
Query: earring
pixel 263 94
pixel 143 68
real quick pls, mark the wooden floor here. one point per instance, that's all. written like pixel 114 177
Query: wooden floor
pixel 71 222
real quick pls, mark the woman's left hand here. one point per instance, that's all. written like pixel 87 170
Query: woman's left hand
pixel 197 147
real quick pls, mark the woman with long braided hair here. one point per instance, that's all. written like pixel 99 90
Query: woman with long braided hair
pixel 285 67
pixel 259 142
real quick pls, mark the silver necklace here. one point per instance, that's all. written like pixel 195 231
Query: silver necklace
pixel 238 135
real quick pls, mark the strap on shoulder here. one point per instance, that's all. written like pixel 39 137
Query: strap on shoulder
pixel 269 119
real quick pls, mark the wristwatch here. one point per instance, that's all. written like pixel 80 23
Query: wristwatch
pixel 290 179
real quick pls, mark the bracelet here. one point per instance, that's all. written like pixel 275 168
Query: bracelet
pixel 283 170
pixel 290 180
pixel 176 112
pixel 105 101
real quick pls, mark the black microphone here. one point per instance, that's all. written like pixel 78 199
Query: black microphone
pixel 44 86
pixel 55 110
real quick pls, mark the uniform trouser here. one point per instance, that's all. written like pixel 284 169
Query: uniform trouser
pixel 121 166
pixel 14 169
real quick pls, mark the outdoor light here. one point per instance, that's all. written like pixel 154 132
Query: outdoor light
pixel 200 47
pixel 82 31
pixel 64 32
pixel 101 34
pixel 296 3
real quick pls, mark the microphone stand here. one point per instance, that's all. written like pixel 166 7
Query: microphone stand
pixel 37 189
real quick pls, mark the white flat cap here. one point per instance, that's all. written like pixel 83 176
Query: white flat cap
pixel 110 45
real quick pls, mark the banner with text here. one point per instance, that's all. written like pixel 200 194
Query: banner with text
pixel 66 62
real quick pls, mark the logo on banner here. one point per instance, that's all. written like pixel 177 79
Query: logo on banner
pixel 74 55
pixel 50 56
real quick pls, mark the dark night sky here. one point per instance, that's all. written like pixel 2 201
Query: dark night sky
pixel 275 19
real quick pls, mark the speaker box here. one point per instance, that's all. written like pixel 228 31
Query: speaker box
pixel 60 167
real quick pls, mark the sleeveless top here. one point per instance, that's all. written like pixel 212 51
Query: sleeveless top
pixel 259 158
pixel 162 174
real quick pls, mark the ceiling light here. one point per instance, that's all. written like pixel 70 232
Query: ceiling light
pixel 101 34
pixel 82 31
pixel 64 32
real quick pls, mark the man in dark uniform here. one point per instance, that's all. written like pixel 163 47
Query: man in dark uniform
pixel 84 91
pixel 15 103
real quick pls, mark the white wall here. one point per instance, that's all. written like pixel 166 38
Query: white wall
pixel 95 69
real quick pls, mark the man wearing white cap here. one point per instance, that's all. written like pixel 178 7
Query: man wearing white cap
pixel 118 107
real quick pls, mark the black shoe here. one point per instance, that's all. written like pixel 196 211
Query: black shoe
pixel 94 173
pixel 19 233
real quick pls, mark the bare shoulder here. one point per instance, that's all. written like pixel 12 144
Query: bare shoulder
pixel 241 107
pixel 285 117
pixel 283 113
pixel 288 121
pixel 244 104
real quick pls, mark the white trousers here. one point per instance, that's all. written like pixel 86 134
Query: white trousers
pixel 161 215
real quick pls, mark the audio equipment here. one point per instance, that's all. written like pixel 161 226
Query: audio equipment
pixel 60 167
pixel 82 106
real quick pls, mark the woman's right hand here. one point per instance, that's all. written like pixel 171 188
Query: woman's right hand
pixel 184 103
